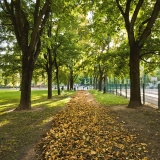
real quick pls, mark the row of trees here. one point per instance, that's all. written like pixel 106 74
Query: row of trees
pixel 96 38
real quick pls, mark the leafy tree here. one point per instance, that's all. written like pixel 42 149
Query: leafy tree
pixel 139 17
pixel 28 20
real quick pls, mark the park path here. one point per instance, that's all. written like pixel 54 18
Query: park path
pixel 85 130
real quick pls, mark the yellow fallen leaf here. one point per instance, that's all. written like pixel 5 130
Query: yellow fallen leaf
pixel 143 144
pixel 125 153
pixel 93 152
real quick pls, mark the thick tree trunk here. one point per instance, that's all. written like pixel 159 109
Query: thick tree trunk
pixel 135 96
pixel 27 71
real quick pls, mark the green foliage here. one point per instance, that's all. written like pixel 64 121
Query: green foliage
pixel 157 73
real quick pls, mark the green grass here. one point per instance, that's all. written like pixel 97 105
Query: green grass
pixel 21 128
pixel 108 99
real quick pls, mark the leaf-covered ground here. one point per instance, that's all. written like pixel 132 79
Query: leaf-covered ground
pixel 85 130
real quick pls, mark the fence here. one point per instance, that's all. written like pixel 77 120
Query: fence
pixel 148 94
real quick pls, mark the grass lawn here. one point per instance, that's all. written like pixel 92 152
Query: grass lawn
pixel 108 99
pixel 20 128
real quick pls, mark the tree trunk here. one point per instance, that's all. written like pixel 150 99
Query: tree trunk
pixel 100 81
pixel 57 71
pixel 94 82
pixel 71 79
pixel 68 84
pixel 91 81
pixel 100 84
pixel 27 71
pixel 57 77
pixel 49 68
pixel 100 78
pixel 105 84
pixel 135 96
pixel 49 82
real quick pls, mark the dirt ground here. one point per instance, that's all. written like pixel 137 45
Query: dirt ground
pixel 143 122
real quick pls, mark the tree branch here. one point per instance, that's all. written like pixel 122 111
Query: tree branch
pixel 38 21
pixel 152 52
pixel 14 22
pixel 134 17
pixel 120 8
pixel 36 11
pixel 127 8
pixel 149 62
pixel 151 21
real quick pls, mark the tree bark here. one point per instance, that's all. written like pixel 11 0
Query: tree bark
pixel 68 84
pixel 96 82
pixel 57 77
pixel 49 73
pixel 49 68
pixel 135 95
pixel 100 78
pixel 27 72
pixel 105 84
pixel 91 81
pixel 71 79
pixel 100 83
pixel 49 86
pixel 57 72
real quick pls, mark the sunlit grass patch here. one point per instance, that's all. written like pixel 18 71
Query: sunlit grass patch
pixel 59 103
pixel 108 99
